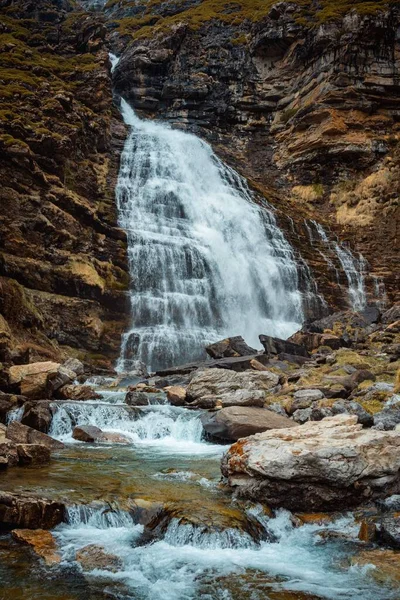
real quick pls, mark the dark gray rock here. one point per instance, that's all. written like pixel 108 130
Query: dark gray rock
pixel 353 408
pixel 275 346
pixel 229 347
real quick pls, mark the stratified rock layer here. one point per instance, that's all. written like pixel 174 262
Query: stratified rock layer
pixel 328 465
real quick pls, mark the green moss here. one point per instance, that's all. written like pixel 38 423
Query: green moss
pixel 235 13
pixel 8 140
pixel 318 188
pixel 288 114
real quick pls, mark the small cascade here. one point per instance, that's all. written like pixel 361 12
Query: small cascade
pixel 205 260
pixel 379 289
pixel 15 414
pixel 186 534
pixel 354 269
pixel 173 427
pixel 100 517
pixel 340 259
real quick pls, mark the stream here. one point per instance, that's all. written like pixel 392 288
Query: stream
pixel 206 549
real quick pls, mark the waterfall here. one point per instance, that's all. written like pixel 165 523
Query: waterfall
pixel 353 267
pixel 205 260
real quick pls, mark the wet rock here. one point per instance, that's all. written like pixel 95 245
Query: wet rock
pixel 8 451
pixel 216 382
pixel 90 434
pixel 20 510
pixel 274 346
pixel 95 557
pixel 333 464
pixel 392 314
pixel 386 563
pixel 388 532
pixel 367 531
pixel 134 398
pixel 41 541
pixel 176 395
pixel 392 503
pixel 353 408
pixel 77 392
pixel 37 415
pixel 236 422
pixel 22 434
pixel 33 454
pixel 86 433
pixel 229 347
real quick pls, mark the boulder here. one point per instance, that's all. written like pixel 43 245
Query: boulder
pixel 176 395
pixel 31 380
pixel 216 382
pixel 387 418
pixel 41 541
pixel 77 392
pixel 86 433
pixel 333 464
pixel 235 422
pixel 229 347
pixel 22 434
pixel 353 408
pixel 274 346
pixel 20 510
pixel 235 398
pixel 313 341
pixel 388 532
pixel 61 377
pixel 37 415
pixel 392 314
pixel 134 398
pixel 8 451
pixel 90 434
pixel 33 454
pixel 75 365
pixel 95 557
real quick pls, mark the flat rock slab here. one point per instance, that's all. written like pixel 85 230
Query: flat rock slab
pixel 41 541
pixel 333 464
pixel 236 422
pixel 216 382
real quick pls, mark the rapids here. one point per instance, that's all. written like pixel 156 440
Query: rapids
pixel 206 550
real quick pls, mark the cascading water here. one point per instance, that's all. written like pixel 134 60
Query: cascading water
pixel 353 267
pixel 205 260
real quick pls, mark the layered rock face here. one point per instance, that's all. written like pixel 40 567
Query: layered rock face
pixel 328 465
pixel 63 272
pixel 301 98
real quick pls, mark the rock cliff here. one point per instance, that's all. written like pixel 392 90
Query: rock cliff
pixel 63 271
pixel 302 98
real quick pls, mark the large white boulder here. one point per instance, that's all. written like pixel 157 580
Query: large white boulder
pixel 325 465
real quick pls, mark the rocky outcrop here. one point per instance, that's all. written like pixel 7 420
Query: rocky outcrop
pixel 330 465
pixel 63 271
pixel 21 434
pixel 235 422
pixel 20 510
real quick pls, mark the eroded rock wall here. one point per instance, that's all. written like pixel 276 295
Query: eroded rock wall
pixel 63 271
